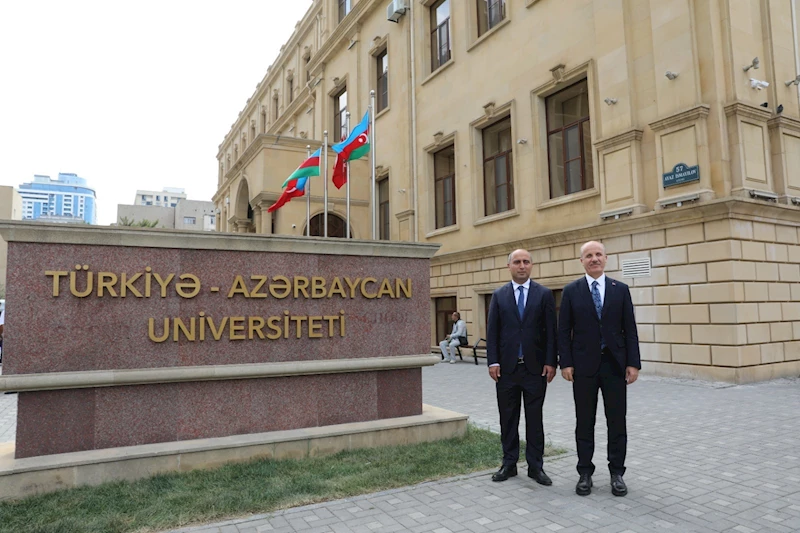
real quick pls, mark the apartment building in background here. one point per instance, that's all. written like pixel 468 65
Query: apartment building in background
pixel 670 130
pixel 168 197
pixel 65 199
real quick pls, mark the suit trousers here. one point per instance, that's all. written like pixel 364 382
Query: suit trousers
pixel 609 379
pixel 512 388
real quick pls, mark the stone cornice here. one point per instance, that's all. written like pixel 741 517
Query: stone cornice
pixel 747 110
pixel 784 122
pixel 739 208
pixel 350 24
pixel 267 140
pixel 626 137
pixel 125 377
pixel 301 29
pixel 681 117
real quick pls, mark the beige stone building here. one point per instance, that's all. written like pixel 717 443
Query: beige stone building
pixel 197 215
pixel 10 209
pixel 668 129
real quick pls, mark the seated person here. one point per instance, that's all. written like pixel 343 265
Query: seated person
pixel 458 337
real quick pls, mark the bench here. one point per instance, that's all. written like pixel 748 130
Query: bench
pixel 474 348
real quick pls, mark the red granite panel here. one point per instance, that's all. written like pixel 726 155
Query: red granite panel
pixel 67 333
pixel 399 393
pixel 131 415
pixel 55 422
pixel 344 398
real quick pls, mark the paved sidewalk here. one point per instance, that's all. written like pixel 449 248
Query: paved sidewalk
pixel 8 415
pixel 702 457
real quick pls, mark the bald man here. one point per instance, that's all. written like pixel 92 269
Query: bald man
pixel 599 350
pixel 521 353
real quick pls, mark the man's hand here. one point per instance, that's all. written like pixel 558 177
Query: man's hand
pixel 566 373
pixel 631 374
pixel 494 372
pixel 550 372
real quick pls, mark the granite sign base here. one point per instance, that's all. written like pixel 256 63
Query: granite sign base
pixel 20 478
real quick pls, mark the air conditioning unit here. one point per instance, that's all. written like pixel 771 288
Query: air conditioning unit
pixel 396 9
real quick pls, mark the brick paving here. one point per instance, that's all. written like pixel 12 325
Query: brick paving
pixel 702 457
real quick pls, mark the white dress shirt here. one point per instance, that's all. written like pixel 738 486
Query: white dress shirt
pixel 601 286
pixel 526 287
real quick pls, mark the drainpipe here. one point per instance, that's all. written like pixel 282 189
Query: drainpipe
pixel 796 51
pixel 414 176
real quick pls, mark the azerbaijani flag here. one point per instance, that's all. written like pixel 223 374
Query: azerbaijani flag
pixel 355 146
pixel 295 185
pixel 308 168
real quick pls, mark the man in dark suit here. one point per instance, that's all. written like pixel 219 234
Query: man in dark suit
pixel 599 349
pixel 521 353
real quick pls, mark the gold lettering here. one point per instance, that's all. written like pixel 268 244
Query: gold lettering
pixel 353 286
pixel 147 281
pixel 56 274
pixel 341 324
pixel 364 292
pixel 235 328
pixel 298 324
pixel 103 284
pixel 202 326
pixel 256 324
pixel 179 326
pixel 127 285
pixel 317 287
pixel 386 288
pixel 254 293
pixel 399 286
pixel 281 291
pixel 216 333
pixel 300 285
pixel 314 328
pixel 336 288
pixel 163 283
pixel 73 284
pixel 194 286
pixel 238 287
pixel 151 330
pixel 274 324
pixel 286 324
pixel 331 320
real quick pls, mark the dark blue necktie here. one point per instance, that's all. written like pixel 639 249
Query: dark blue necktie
pixel 598 307
pixel 521 310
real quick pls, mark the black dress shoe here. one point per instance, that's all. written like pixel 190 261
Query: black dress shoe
pixel 539 476
pixel 618 487
pixel 584 486
pixel 505 472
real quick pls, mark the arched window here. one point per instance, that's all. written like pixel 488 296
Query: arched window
pixel 336 225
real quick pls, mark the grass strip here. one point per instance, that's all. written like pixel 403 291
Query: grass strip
pixel 179 499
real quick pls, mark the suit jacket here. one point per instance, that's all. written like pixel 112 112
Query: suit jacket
pixel 580 330
pixel 535 331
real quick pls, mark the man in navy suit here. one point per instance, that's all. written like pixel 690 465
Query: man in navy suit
pixel 521 353
pixel 599 349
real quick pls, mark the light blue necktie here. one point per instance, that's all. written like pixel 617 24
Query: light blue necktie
pixel 521 310
pixel 598 307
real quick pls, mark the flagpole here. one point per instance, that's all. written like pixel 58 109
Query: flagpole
pixel 347 189
pixel 308 196
pixel 325 179
pixel 372 159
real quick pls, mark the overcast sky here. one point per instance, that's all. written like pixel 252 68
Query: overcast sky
pixel 133 95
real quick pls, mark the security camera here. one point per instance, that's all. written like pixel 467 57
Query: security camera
pixel 294 226
pixel 758 84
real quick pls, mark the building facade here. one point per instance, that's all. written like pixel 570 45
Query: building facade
pixel 669 130
pixel 10 209
pixel 65 199
pixel 187 214
pixel 166 198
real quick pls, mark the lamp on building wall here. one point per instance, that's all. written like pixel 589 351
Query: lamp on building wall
pixel 671 75
pixel 755 64
pixel 795 81
pixel 758 84
pixel 610 101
